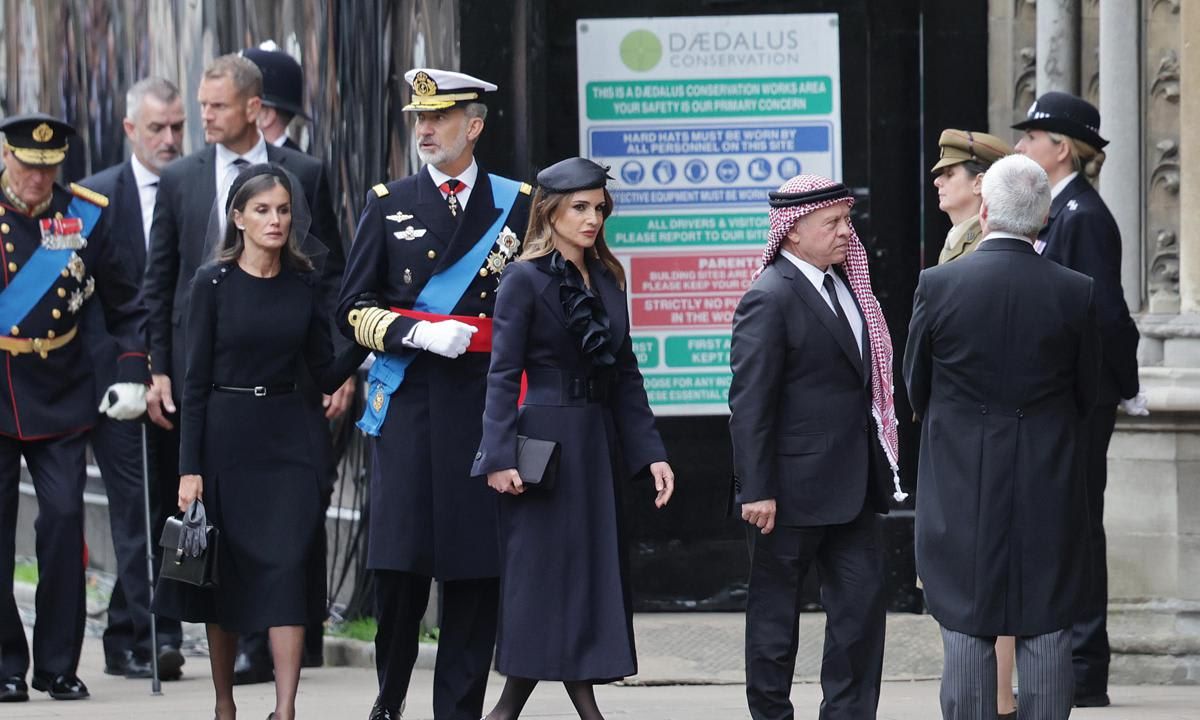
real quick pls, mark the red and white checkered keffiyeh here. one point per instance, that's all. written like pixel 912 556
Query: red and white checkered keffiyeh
pixel 883 404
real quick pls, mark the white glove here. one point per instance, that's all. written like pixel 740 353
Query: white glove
pixel 448 338
pixel 1135 406
pixel 124 401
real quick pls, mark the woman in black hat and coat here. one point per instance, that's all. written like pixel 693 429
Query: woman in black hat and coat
pixel 561 321
pixel 1062 134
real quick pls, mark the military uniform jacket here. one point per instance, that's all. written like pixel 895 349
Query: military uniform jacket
pixel 1001 366
pixel 1082 235
pixel 962 239
pixel 44 397
pixel 428 515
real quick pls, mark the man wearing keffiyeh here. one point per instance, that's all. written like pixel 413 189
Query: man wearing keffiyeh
pixel 814 441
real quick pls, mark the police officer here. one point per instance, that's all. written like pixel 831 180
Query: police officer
pixel 54 257
pixel 1062 133
pixel 282 93
pixel 419 290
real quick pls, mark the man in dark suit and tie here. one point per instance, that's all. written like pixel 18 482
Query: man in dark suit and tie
pixel 153 124
pixel 1002 366
pixel 230 99
pixel 814 445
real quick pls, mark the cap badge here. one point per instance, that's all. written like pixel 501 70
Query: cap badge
pixel 424 85
pixel 43 133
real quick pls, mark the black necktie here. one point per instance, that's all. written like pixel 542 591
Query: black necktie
pixel 831 290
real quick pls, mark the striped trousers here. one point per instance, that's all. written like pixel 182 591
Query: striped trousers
pixel 1043 666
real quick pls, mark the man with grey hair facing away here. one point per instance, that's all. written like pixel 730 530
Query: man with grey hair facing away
pixel 1002 366
pixel 153 125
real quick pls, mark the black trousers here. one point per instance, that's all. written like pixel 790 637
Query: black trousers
pixel 59 471
pixel 850 566
pixel 466 641
pixel 1089 636
pixel 118 449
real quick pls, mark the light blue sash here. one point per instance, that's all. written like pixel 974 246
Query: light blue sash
pixel 31 284
pixel 440 295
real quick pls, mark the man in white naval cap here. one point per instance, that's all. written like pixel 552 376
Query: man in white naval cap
pixel 419 291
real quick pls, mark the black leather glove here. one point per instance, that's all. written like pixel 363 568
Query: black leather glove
pixel 193 537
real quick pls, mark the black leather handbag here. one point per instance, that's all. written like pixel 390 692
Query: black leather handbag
pixel 199 569
pixel 537 462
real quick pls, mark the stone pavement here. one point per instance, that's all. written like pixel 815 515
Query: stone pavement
pixel 337 693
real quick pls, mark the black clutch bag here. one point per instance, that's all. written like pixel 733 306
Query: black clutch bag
pixel 200 570
pixel 537 462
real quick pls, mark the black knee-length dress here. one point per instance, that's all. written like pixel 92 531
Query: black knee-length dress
pixel 256 454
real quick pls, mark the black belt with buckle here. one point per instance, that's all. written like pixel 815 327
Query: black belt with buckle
pixel 257 390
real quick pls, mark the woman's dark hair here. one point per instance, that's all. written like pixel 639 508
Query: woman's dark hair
pixel 255 184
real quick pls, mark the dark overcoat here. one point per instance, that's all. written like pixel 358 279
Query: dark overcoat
pixel 800 406
pixel 565 611
pixel 428 515
pixel 1081 234
pixel 1001 366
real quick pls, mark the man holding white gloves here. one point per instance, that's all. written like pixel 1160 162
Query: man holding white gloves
pixel 56 255
pixel 419 290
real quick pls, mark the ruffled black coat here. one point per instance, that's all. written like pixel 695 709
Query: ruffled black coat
pixel 565 610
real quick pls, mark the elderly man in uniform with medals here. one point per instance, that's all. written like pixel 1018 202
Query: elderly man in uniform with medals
pixel 419 290
pixel 52 263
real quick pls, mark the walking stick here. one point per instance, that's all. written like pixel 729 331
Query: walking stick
pixel 155 683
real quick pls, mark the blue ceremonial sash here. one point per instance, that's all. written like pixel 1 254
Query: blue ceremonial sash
pixel 31 284
pixel 440 295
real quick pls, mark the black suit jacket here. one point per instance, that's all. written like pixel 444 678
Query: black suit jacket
pixel 1002 366
pixel 123 226
pixel 800 406
pixel 181 214
pixel 1082 235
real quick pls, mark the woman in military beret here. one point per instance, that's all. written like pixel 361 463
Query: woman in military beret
pixel 958 176
pixel 561 321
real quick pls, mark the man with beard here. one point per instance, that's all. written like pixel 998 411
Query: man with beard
pixel 154 126
pixel 419 291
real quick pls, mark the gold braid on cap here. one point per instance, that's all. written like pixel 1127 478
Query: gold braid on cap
pixel 371 325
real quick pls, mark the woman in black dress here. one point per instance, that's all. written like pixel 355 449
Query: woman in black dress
pixel 561 320
pixel 256 314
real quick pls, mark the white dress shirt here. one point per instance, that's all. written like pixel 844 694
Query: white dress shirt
pixel 227 170
pixel 147 185
pixel 816 276
pixel 279 141
pixel 998 234
pixel 1040 245
pixel 468 176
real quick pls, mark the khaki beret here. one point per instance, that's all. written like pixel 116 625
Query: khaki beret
pixel 959 146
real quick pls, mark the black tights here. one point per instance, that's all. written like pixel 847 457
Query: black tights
pixel 517 691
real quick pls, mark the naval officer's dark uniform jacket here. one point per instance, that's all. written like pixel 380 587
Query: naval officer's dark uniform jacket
pixel 428 515
pixel 47 401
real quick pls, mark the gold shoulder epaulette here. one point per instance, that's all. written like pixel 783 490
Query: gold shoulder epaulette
pixel 90 195
pixel 526 188
pixel 381 190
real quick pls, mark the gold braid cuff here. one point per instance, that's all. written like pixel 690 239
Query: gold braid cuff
pixel 371 325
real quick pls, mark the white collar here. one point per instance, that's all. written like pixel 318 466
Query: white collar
pixel 468 176
pixel 1062 185
pixel 279 141
pixel 815 275
pixel 1001 234
pixel 142 175
pixel 255 155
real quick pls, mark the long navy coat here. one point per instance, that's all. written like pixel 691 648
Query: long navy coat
pixel 1001 365
pixel 427 515
pixel 565 611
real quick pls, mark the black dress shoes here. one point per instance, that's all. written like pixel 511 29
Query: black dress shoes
pixel 170 663
pixel 246 671
pixel 61 687
pixel 116 664
pixel 13 689
pixel 379 712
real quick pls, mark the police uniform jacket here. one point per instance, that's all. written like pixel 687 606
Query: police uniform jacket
pixel 428 515
pixel 1082 235
pixel 53 395
pixel 1001 366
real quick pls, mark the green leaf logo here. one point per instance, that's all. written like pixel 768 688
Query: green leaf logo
pixel 641 50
